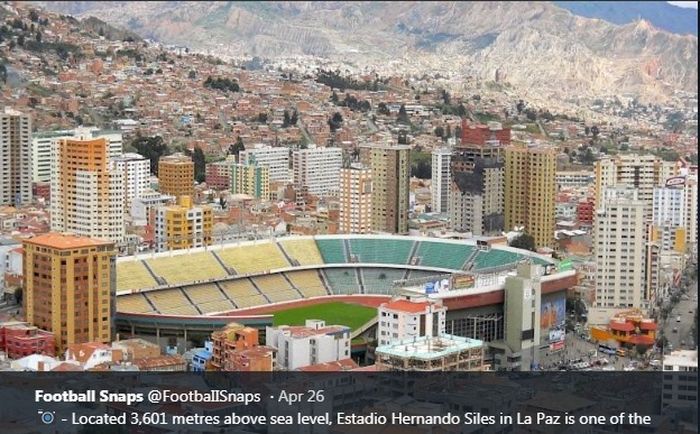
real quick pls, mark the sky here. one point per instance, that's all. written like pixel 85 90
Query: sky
pixel 686 4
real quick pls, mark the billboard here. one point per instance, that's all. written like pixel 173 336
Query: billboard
pixel 675 181
pixel 461 281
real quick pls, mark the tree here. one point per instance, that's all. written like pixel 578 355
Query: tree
pixel 641 349
pixel 192 74
pixel 595 131
pixel 403 116
pixel 236 148
pixel 334 98
pixel 286 120
pixel 20 40
pixel 19 295
pixel 335 122
pixel 524 241
pixel 38 37
pixel 382 109
pixel 295 116
pixel 520 106
pixel 261 118
pixel 152 148
pixel 439 131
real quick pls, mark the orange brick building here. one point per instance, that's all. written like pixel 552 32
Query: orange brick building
pixel 176 175
pixel 236 348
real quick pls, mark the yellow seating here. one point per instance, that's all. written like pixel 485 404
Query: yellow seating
pixel 254 259
pixel 204 293
pixel 250 301
pixel 181 310
pixel 271 282
pixel 216 306
pixel 187 268
pixel 169 300
pixel 308 283
pixel 134 303
pixel 304 251
pixel 133 275
pixel 238 288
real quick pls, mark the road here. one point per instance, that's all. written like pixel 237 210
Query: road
pixel 686 310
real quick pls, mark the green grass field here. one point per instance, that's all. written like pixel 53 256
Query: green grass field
pixel 351 315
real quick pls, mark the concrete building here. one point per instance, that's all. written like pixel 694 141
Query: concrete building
pixel 680 390
pixel 316 169
pixel 441 179
pixel 136 173
pixel 574 179
pixel 251 179
pixel 183 226
pixel 69 287
pixel 619 239
pixel 142 207
pixel 391 169
pixel 44 141
pixel 218 174
pixel 530 192
pixel 643 172
pixel 432 354
pixel 87 193
pixel 176 175
pixel 355 199
pixel 236 348
pixel 311 344
pixel 19 339
pixel 401 319
pixel 476 198
pixel 276 159
pixel 492 135
pixel 15 158
pixel 675 213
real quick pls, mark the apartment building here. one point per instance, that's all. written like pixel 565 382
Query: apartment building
pixel 276 159
pixel 680 381
pixel 406 318
pixel 136 173
pixel 15 158
pixel 251 179
pixel 476 198
pixel 619 245
pixel 183 226
pixel 316 169
pixel 87 193
pixel 235 348
pixel 530 192
pixel 176 175
pixel 441 179
pixel 355 199
pixel 69 287
pixel 574 179
pixel 311 344
pixel 391 170
pixel 218 174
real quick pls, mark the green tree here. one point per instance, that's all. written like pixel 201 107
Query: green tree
pixel 295 117
pixel 237 147
pixel 286 119
pixel 439 131
pixel 152 148
pixel 524 241
pixel 403 116
pixel 192 74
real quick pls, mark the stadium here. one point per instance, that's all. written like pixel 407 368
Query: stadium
pixel 179 297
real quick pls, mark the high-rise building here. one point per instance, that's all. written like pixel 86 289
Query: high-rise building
pixel 235 348
pixel 15 158
pixel 176 175
pixel 530 191
pixel 441 179
pixel 218 174
pixel 311 344
pixel 183 226
pixel 276 159
pixel 391 170
pixel 87 194
pixel 355 199
pixel 136 172
pixel 476 198
pixel 44 141
pixel 316 169
pixel 619 241
pixel 669 217
pixel 487 137
pixel 405 318
pixel 251 179
pixel 69 287
pixel 643 172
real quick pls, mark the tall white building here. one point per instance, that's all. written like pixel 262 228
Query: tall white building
pixel 87 193
pixel 441 179
pixel 15 158
pixel 275 159
pixel 402 319
pixel 136 171
pixel 44 141
pixel 355 199
pixel 317 169
pixel 311 344
pixel 619 246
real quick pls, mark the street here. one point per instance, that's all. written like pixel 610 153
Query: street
pixel 686 310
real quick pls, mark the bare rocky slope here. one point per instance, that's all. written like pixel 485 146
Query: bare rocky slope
pixel 535 46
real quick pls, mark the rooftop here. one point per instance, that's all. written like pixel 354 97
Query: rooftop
pixel 682 358
pixel 428 348
pixel 65 241
pixel 406 306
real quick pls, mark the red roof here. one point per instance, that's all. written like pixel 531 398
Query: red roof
pixel 622 326
pixel 335 366
pixel 407 306
pixel 641 340
pixel 647 325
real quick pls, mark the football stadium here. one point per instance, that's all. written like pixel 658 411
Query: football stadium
pixel 182 296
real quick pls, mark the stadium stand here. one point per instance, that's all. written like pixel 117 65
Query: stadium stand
pixel 332 251
pixel 443 255
pixel 135 303
pixel 181 269
pixel 243 293
pixel 421 274
pixel 342 280
pixel 308 283
pixel 380 280
pixel 276 288
pixel 380 251
pixel 495 258
pixel 303 251
pixel 203 293
pixel 133 275
pixel 216 306
pixel 257 258
pixel 171 302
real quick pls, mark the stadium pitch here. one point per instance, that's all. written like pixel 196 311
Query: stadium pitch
pixel 348 314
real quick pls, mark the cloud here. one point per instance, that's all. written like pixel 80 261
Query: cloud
pixel 685 4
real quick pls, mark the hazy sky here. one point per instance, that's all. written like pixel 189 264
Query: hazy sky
pixel 684 4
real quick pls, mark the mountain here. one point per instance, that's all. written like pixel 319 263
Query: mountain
pixel 661 14
pixel 537 47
